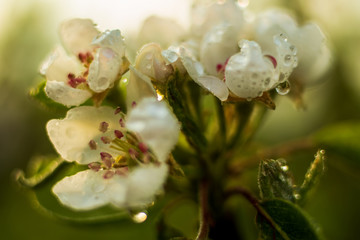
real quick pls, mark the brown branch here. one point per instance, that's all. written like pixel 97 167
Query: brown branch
pixel 204 211
pixel 281 150
pixel 255 203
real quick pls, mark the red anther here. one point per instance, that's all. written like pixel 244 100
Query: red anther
pixel 105 140
pixel 121 121
pixel 118 134
pixel 272 59
pixel 143 148
pixel 108 174
pixel 117 110
pixel 133 104
pixel 74 82
pixel 92 145
pixel 95 166
pixel 103 127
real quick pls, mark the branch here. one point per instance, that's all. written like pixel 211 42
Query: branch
pixel 281 150
pixel 204 211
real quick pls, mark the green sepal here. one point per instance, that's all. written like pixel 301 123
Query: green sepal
pixel 281 219
pixel 39 95
pixel 176 101
pixel 313 174
pixel 275 180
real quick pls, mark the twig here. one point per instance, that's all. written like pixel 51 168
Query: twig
pixel 255 203
pixel 281 150
pixel 204 211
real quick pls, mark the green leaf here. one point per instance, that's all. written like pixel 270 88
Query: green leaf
pixel 313 174
pixel 284 220
pixel 342 138
pixel 275 180
pixel 38 94
pixel 39 169
pixel 189 126
pixel 47 201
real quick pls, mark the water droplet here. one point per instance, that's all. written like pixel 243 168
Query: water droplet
pixel 160 97
pixel 287 59
pixel 322 151
pixel 267 81
pixel 284 168
pixel 243 3
pixel 139 217
pixel 282 178
pixel 283 88
pixel 249 99
pixel 293 49
pixel 283 37
pixel 297 196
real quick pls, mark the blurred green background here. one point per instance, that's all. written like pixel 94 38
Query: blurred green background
pixel 27 35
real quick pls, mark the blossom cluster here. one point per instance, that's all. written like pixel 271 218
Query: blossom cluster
pixel 225 53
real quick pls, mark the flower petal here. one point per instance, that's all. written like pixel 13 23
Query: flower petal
pixel 139 87
pixel 215 86
pixel 88 189
pixel 71 136
pixel 217 46
pixel 62 93
pixel 156 125
pixel 164 31
pixel 58 66
pixel 109 61
pixel 144 183
pixel 150 62
pixel 77 35
pixel 205 17
pixel 248 73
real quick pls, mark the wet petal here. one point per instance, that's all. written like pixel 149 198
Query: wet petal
pixel 88 189
pixel 62 93
pixel 156 125
pixel 144 183
pixel 217 46
pixel 58 66
pixel 161 30
pixel 206 17
pixel 139 87
pixel 77 35
pixel 215 86
pixel 248 73
pixel 150 62
pixel 71 136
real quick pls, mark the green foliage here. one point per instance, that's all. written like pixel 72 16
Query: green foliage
pixel 313 174
pixel 284 220
pixel 275 181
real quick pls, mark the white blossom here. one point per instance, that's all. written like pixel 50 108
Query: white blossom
pixel 146 135
pixel 95 61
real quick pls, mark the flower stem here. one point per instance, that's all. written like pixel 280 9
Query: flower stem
pixel 204 211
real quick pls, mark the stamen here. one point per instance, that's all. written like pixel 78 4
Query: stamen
pixel 93 145
pixel 95 166
pixel 272 59
pixel 107 159
pixel 108 174
pixel 118 134
pixel 103 127
pixel 133 153
pixel 121 121
pixel 71 76
pixel 122 171
pixel 133 104
pixel 143 148
pixel 117 110
pixel 105 140
pixel 74 82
